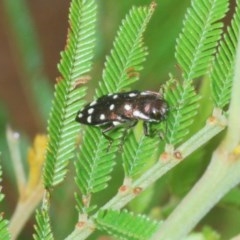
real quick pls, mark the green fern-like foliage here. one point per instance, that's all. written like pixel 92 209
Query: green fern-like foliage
pixel 137 153
pixel 180 118
pixel 68 99
pixel 199 38
pixel 43 228
pixel 195 50
pixel 95 162
pixel 126 225
pixel 128 53
pixel 222 70
pixel 4 233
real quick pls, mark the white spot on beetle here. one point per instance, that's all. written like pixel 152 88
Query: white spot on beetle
pixel 115 96
pixel 93 103
pixel 145 93
pixel 140 115
pixel 115 123
pixel 89 119
pixel 119 118
pixel 112 106
pixel 102 117
pixel 127 107
pixel 80 115
pixel 90 110
pixel 132 95
pixel 164 110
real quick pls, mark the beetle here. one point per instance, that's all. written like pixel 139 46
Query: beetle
pixel 126 108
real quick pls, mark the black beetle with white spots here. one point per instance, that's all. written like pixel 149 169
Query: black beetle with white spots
pixel 125 109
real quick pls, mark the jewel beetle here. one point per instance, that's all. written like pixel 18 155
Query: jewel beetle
pixel 124 109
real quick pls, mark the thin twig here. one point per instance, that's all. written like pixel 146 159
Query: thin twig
pixel 13 144
pixel 24 210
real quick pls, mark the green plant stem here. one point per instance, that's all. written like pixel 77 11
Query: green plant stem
pixel 154 173
pixel 80 234
pixel 161 167
pixel 233 134
pixel 221 176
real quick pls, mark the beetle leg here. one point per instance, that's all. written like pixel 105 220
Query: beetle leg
pixel 112 126
pixel 133 123
pixel 110 140
pixel 146 129
pixel 152 132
